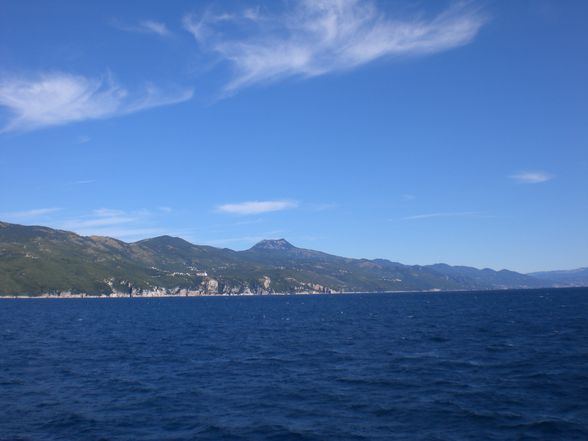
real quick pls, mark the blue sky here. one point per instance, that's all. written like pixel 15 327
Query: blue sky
pixel 421 132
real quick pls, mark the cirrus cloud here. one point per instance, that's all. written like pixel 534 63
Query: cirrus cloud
pixel 256 207
pixel 28 214
pixel 58 98
pixel 117 223
pixel 315 37
pixel 531 177
pixel 145 27
pixel 444 214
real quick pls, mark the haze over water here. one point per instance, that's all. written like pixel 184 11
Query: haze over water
pixel 444 366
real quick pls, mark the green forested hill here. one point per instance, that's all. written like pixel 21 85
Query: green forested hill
pixel 35 260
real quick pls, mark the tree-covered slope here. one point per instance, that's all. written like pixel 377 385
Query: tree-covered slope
pixel 35 260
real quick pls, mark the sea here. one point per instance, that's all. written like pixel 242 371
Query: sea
pixel 495 365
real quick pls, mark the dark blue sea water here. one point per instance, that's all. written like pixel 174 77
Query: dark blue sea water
pixel 445 366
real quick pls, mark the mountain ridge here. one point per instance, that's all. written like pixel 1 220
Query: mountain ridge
pixel 37 260
pixel 573 277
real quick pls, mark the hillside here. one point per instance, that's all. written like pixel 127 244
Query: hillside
pixel 36 260
pixel 575 277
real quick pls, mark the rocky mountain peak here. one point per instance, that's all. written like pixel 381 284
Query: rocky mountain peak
pixel 273 244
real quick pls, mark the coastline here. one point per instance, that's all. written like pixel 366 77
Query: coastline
pixel 273 294
pixel 159 296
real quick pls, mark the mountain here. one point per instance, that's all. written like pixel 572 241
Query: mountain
pixel 38 260
pixel 277 244
pixel 575 277
pixel 484 277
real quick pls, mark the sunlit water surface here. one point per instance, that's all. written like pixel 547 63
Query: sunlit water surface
pixel 436 366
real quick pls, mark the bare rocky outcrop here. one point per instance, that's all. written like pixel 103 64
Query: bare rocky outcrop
pixel 211 286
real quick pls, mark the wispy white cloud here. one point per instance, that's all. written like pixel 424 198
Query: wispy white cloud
pixel 155 27
pixel 101 217
pixel 256 207
pixel 83 139
pixel 28 214
pixel 444 214
pixel 78 224
pixel 84 182
pixel 121 224
pixel 145 27
pixel 53 99
pixel 531 177
pixel 315 37
pixel 122 233
pixel 107 212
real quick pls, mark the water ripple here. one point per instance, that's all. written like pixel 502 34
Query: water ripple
pixel 450 366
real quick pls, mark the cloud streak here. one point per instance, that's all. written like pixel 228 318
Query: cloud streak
pixel 443 214
pixel 53 99
pixel 122 233
pixel 145 27
pixel 256 207
pixel 29 214
pixel 531 177
pixel 101 217
pixel 121 224
pixel 155 27
pixel 315 37
pixel 83 139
